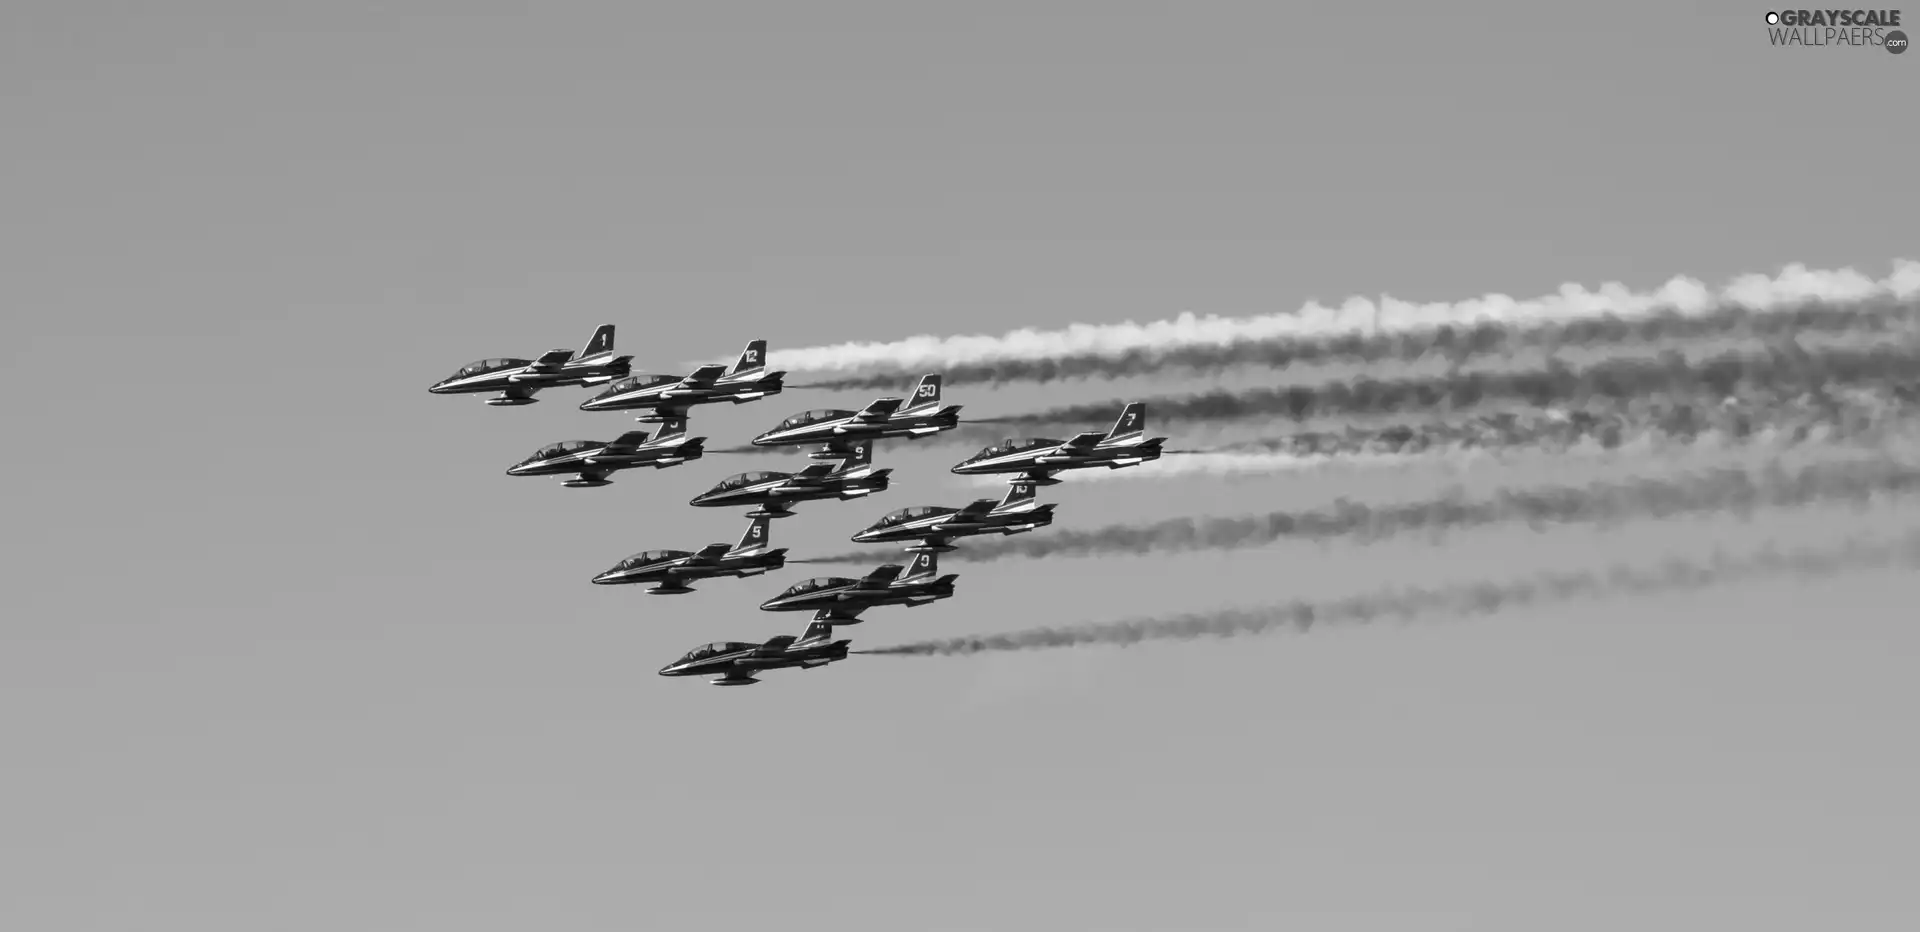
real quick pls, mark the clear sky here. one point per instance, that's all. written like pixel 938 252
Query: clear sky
pixel 287 650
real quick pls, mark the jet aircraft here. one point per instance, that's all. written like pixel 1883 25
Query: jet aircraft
pixel 934 528
pixel 671 570
pixel 776 492
pixel 1036 459
pixel 667 396
pixel 591 461
pixel 885 417
pixel 735 663
pixel 841 599
pixel 516 380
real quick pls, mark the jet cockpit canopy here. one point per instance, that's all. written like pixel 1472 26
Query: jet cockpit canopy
pixel 813 417
pixel 819 582
pixel 488 365
pixel 744 479
pixel 903 515
pixel 716 649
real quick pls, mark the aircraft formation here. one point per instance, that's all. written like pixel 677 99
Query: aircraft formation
pixel 844 439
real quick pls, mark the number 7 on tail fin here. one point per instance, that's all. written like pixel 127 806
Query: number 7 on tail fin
pixel 1131 426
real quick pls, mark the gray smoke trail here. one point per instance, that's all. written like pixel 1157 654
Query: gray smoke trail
pixel 1612 380
pixel 1483 598
pixel 1718 490
pixel 1612 425
pixel 1460 344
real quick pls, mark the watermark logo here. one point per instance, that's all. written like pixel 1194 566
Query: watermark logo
pixel 1837 28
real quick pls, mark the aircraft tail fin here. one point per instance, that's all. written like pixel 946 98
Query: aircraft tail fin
pixel 818 632
pixel 860 455
pixel 1018 494
pixel 672 429
pixel 753 359
pixel 600 344
pixel 755 537
pixel 924 566
pixel 1131 425
pixel 926 395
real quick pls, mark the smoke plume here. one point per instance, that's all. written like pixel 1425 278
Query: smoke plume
pixel 1683 296
pixel 1459 345
pixel 1716 490
pixel 1483 598
pixel 1865 416
pixel 1614 380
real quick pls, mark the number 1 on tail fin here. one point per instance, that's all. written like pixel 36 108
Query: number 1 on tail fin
pixel 600 344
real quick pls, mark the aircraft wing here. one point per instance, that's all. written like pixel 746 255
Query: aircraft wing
pixel 813 474
pixel 843 616
pixel 708 555
pixel 775 645
pixel 1080 442
pixel 881 576
pixel 878 411
pixel 705 375
pixel 550 361
pixel 976 508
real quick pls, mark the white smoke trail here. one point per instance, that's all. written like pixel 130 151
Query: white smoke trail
pixel 1793 284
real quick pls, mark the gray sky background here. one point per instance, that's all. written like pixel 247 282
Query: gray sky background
pixel 287 650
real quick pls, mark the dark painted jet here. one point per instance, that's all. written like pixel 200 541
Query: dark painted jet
pixel 591 461
pixel 840 599
pixel 1037 459
pixel 736 663
pixel 934 528
pixel 665 396
pixel 517 379
pixel 671 570
pixel 776 492
pixel 839 429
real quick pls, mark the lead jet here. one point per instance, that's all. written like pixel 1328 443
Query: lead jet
pixel 933 528
pixel 667 396
pixel 838 429
pixel 735 663
pixel 776 492
pixel 671 570
pixel 840 599
pixel 517 379
pixel 1036 459
pixel 591 461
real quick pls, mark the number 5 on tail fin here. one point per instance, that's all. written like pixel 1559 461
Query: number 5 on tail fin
pixel 755 537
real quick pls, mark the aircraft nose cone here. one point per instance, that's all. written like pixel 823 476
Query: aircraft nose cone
pixel 437 388
pixel 603 578
pixel 516 470
pixel 667 670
